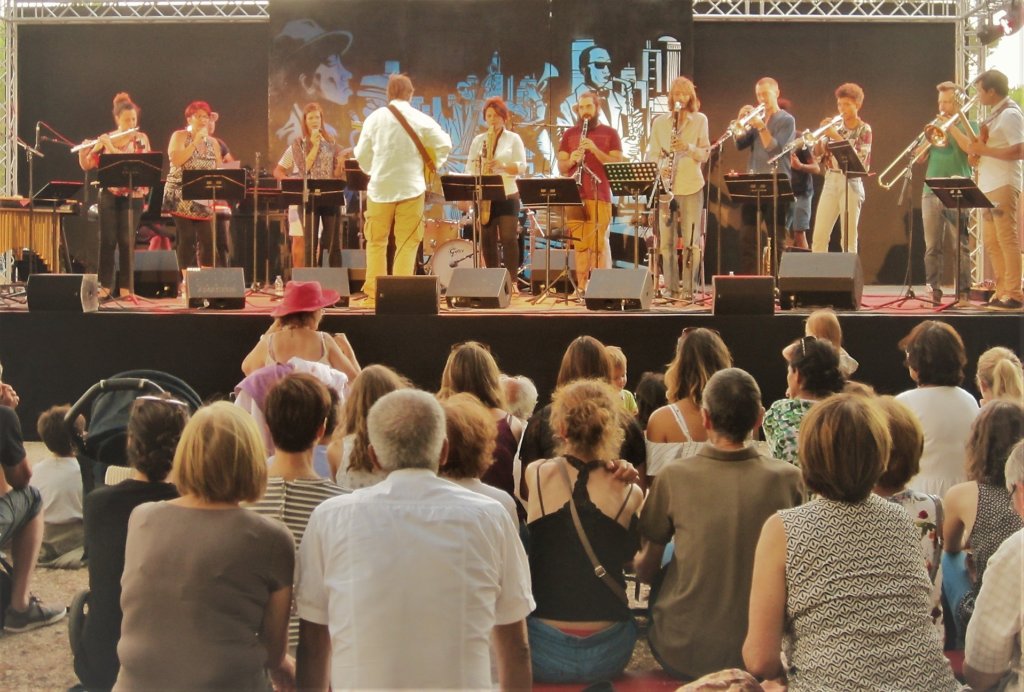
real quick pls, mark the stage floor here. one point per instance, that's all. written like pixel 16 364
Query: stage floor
pixel 53 357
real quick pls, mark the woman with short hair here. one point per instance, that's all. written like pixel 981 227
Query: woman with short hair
pixel 207 584
pixel 838 581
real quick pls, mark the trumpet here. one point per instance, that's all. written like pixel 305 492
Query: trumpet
pixel 936 130
pixel 739 127
pixel 807 139
pixel 89 143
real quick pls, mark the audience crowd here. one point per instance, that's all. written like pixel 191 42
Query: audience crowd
pixel 336 527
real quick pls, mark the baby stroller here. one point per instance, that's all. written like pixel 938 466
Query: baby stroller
pixel 106 405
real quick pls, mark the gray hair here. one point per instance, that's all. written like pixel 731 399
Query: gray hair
pixel 1014 471
pixel 407 430
pixel 520 395
pixel 733 402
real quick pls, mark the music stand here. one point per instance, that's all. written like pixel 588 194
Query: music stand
pixel 132 171
pixel 959 193
pixel 266 195
pixel 313 193
pixel 547 193
pixel 756 186
pixel 632 180
pixel 852 167
pixel 476 189
pixel 357 180
pixel 220 183
pixel 52 195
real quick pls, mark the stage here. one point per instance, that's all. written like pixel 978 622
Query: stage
pixel 53 357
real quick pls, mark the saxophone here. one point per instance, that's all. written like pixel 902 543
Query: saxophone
pixel 668 159
pixel 485 158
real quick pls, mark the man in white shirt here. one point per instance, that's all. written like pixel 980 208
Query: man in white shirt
pixel 995 648
pixel 406 583
pixel 1000 147
pixel 387 152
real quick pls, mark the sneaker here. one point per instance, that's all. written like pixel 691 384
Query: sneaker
pixel 37 615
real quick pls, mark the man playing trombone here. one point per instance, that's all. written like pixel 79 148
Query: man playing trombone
pixel 946 159
pixel 1000 148
pixel 766 137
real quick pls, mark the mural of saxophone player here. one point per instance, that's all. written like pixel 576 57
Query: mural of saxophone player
pixel 618 110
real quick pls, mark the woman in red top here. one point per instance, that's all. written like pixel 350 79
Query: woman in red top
pixel 115 202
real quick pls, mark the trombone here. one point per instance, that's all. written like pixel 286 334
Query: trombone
pixel 807 139
pixel 934 134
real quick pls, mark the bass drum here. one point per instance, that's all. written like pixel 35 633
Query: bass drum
pixel 437 232
pixel 448 257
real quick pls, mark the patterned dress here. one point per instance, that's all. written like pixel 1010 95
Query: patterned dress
pixel 995 522
pixel 782 427
pixel 858 600
pixel 926 513
pixel 199 210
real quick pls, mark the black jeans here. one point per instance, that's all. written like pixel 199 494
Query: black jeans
pixel 115 234
pixel 503 225
pixel 330 239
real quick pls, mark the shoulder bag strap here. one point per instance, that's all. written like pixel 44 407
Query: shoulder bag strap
pixel 599 571
pixel 427 160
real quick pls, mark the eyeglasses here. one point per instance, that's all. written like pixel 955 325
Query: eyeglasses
pixel 601 65
pixel 162 400
pixel 803 344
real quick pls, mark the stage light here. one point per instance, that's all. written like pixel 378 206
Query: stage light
pixel 1004 22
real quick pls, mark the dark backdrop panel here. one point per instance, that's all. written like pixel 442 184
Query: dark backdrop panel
pixel 898 65
pixel 68 75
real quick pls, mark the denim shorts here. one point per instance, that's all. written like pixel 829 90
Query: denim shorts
pixel 798 218
pixel 17 508
pixel 558 657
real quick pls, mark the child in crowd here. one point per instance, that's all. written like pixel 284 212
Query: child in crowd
pixel 619 366
pixel 823 324
pixel 59 480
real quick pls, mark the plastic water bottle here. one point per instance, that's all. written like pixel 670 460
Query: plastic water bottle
pixel 278 286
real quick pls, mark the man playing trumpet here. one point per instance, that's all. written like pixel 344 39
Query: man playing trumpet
pixel 589 224
pixel 946 159
pixel 680 138
pixel 765 138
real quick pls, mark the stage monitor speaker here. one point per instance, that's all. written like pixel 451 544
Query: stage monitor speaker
pixel 156 273
pixel 355 262
pixel 407 295
pixel 821 279
pixel 472 287
pixel 541 274
pixel 332 278
pixel 221 288
pixel 63 292
pixel 619 289
pixel 743 295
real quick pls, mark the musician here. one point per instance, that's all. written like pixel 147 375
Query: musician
pixel 395 195
pixel 680 140
pixel 191 149
pixel 842 195
pixel 944 161
pixel 502 152
pixel 999 148
pixel 314 155
pixel 803 166
pixel 766 138
pixel 584 157
pixel 114 202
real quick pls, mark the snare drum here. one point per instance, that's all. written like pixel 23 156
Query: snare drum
pixel 437 232
pixel 448 257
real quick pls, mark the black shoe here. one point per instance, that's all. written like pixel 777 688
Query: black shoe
pixel 1005 304
pixel 937 295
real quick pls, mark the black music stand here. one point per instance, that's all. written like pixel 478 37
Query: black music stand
pixel 357 180
pixel 959 194
pixel 265 197
pixel 632 180
pixel 547 193
pixel 463 187
pixel 758 186
pixel 311 193
pixel 52 195
pixel 852 167
pixel 132 171
pixel 219 183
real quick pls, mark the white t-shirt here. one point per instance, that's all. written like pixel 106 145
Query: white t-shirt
pixel 946 414
pixel 59 481
pixel 478 486
pixel 410 576
pixel 994 637
pixel 1007 129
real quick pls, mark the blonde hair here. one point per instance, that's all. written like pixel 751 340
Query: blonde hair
pixel 471 368
pixel 999 371
pixel 700 353
pixel 591 413
pixel 823 324
pixel 471 437
pixel 220 457
pixel 372 382
pixel 694 103
pixel 617 357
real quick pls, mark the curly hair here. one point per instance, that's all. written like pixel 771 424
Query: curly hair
pixel 154 428
pixel 817 363
pixel 591 414
pixel 995 432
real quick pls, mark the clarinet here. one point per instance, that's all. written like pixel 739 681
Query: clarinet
pixel 579 167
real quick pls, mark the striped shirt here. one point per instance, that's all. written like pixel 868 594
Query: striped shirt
pixel 291 502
